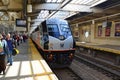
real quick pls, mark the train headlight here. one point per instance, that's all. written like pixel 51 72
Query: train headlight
pixel 50 57
pixel 61 37
pixel 71 55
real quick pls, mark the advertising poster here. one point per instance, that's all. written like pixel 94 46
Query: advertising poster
pixel 117 29
pixel 76 34
pixel 107 31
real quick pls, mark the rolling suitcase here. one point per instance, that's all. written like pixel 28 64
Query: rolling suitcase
pixel 2 64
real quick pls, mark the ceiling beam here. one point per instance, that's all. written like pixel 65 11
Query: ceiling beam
pixel 77 7
pixel 5 8
pixel 46 6
pixel 32 14
pixel 69 7
pixel 37 20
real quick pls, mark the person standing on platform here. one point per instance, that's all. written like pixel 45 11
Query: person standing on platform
pixel 10 49
pixel 24 37
pixel 3 48
pixel 14 39
pixel 3 34
pixel 17 39
pixel 21 38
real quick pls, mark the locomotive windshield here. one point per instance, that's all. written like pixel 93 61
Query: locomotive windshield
pixel 53 30
pixel 65 30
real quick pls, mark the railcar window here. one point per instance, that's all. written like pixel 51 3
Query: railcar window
pixel 53 30
pixel 65 30
pixel 40 29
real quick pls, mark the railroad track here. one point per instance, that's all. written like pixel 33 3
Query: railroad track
pixel 66 74
pixel 107 69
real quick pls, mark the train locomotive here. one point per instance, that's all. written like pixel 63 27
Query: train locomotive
pixel 55 42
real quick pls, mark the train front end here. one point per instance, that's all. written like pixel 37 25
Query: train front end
pixel 61 45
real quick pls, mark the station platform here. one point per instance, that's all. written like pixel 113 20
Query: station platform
pixel 102 47
pixel 28 65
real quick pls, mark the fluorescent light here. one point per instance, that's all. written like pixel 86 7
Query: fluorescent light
pixel 48 0
pixel 59 0
pixel 73 1
pixel 54 0
pixel 83 1
pixel 88 1
pixel 43 14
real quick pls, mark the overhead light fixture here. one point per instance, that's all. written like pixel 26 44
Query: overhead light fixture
pixel 29 8
pixel 59 0
pixel 48 1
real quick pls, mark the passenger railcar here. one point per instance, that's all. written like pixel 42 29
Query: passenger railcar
pixel 54 39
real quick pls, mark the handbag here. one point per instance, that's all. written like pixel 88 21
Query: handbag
pixel 15 51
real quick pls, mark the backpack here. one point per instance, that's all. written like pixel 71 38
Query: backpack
pixel 1 48
pixel 4 46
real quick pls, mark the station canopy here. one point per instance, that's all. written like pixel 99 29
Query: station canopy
pixel 36 11
pixel 63 9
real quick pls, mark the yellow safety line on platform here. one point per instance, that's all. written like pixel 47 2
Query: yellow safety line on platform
pixel 36 56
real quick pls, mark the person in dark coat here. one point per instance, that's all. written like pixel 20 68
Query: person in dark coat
pixel 10 49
